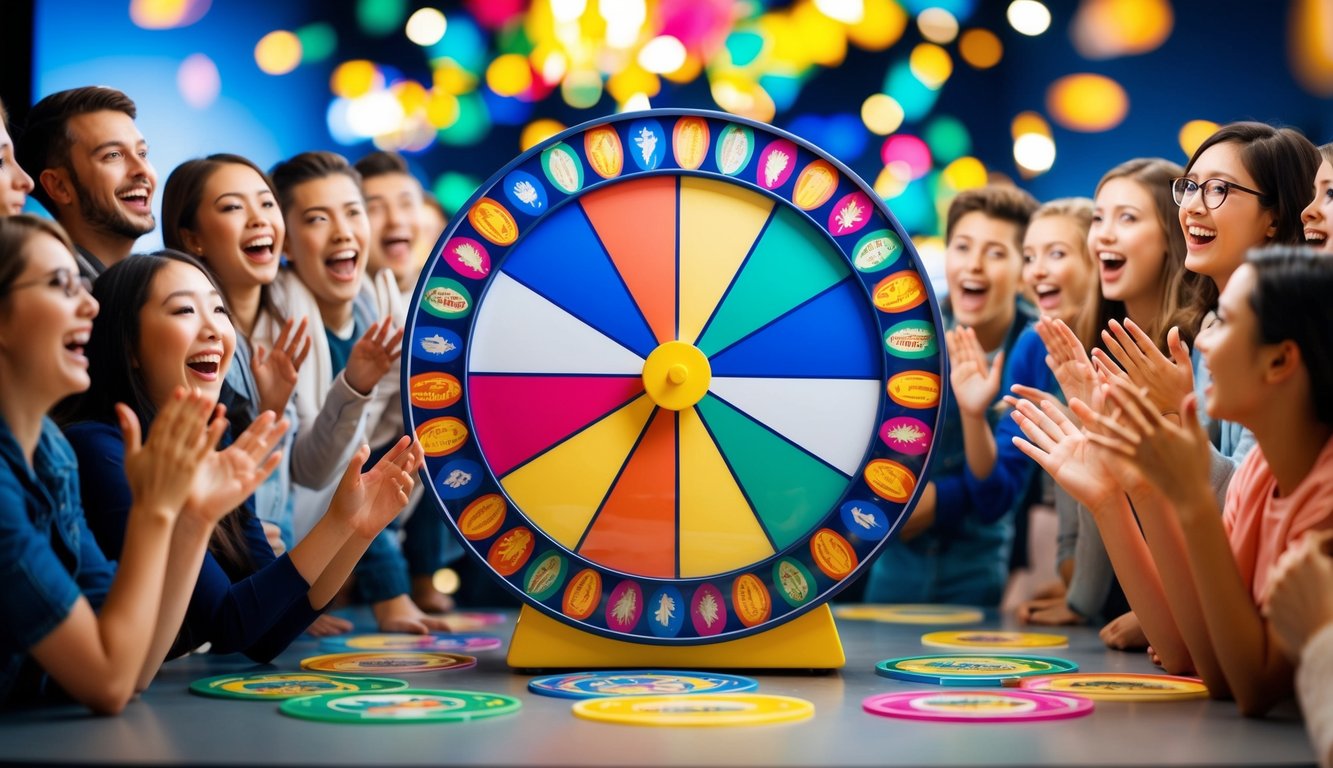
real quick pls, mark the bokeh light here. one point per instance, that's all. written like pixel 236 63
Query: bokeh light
pixel 846 11
pixel 463 43
pixel 472 124
pixel 1104 29
pixel 426 27
pixel 909 150
pixel 964 173
pixel 980 48
pixel 453 189
pixel 1029 122
pixel 1028 17
pixel 882 24
pixel 931 65
pixel 538 131
pixel 318 42
pixel 1086 102
pixel 582 88
pixel 380 17
pixel 198 81
pixel 947 138
pixel 915 97
pixel 664 54
pixel 1034 153
pixel 1194 133
pixel 509 75
pixel 355 78
pixel 167 14
pixel 1310 45
pixel 937 25
pixel 278 52
pixel 881 114
pixel 494 14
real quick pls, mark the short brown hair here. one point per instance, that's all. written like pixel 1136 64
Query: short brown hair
pixel 381 163
pixel 46 140
pixel 995 201
pixel 308 166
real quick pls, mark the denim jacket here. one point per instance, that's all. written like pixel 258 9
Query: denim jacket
pixel 48 557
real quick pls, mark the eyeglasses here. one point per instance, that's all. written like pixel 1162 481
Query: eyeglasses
pixel 70 283
pixel 1214 191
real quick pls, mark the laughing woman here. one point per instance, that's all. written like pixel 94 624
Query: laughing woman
pixel 167 326
pixel 1317 217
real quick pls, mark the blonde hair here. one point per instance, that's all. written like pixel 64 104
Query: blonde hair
pixel 1079 211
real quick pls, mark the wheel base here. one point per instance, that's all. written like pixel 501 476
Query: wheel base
pixel 808 642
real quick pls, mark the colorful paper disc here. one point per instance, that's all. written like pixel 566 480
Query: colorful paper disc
pixel 405 706
pixel 591 685
pixel 1120 686
pixel 957 669
pixel 985 638
pixel 716 709
pixel 907 613
pixel 445 643
pixel 378 663
pixel 977 706
pixel 287 685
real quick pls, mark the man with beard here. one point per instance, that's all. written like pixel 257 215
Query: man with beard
pixel 92 171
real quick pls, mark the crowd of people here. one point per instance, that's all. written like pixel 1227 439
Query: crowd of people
pixel 202 444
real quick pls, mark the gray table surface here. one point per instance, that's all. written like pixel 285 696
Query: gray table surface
pixel 170 726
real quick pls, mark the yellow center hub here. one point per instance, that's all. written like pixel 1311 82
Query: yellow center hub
pixel 676 375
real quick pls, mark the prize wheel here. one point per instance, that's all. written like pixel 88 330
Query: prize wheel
pixel 676 376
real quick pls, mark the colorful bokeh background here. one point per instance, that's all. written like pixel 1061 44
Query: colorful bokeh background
pixel 920 97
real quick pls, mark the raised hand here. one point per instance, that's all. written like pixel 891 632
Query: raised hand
pixel 373 355
pixel 276 372
pixel 1037 397
pixel 1167 380
pixel 975 385
pixel 227 477
pixel 161 471
pixel 1067 359
pixel 369 501
pixel 1064 452
pixel 1300 592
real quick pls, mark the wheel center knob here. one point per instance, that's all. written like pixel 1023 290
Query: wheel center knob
pixel 676 375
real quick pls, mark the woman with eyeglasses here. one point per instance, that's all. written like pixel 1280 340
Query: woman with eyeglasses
pixel 1317 217
pixel 70 621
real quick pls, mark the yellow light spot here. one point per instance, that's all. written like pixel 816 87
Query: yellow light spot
pixel 538 131
pixel 937 25
pixel 688 72
pixel 446 581
pixel 631 80
pixel 582 88
pixel 441 109
pixel 741 96
pixel 882 114
pixel 965 173
pixel 892 180
pixel 278 52
pixel 981 48
pixel 412 95
pixel 824 40
pixel 882 24
pixel 1104 29
pixel 509 75
pixel 1029 122
pixel 1194 133
pixel 931 65
pixel 846 11
pixel 1086 102
pixel 1310 50
pixel 451 78
pixel 356 78
pixel 167 14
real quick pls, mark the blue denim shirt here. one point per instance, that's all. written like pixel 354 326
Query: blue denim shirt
pixel 48 557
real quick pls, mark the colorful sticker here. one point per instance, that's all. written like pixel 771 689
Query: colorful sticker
pixel 405 706
pixel 906 435
pixel 525 192
pixel 834 556
pixel 624 606
pixel 392 661
pixel 589 685
pixel 458 479
pixel 994 639
pixel 436 345
pixel 850 214
pixel 446 298
pixel 864 519
pixel 511 551
pixel 649 144
pixel 977 706
pixel 286 685
pixel 735 146
pixel 890 480
pixel 563 168
pixel 911 340
pixel 689 142
pixel 713 709
pixel 815 185
pixel 776 164
pixel 795 583
pixel 914 389
pixel 1120 686
pixel 467 257
pixel 602 145
pixel 582 595
pixel 483 517
pixel 545 576
pixel 442 436
pixel 708 613
pixel 434 391
pixel 493 221
pixel 750 600
pixel 666 611
pixel 435 641
pixel 877 250
pixel 899 292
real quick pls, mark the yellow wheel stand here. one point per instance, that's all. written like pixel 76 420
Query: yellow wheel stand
pixel 808 642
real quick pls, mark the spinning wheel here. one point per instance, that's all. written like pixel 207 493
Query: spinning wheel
pixel 676 376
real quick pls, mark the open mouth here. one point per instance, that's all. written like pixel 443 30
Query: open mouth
pixel 137 199
pixel 342 265
pixel 972 295
pixel 1198 235
pixel 1315 237
pixel 1048 296
pixel 259 250
pixel 396 247
pixel 205 365
pixel 76 342
pixel 1112 264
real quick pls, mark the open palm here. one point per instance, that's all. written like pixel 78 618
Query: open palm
pixel 227 477
pixel 975 385
pixel 1067 359
pixel 1064 452
pixel 370 500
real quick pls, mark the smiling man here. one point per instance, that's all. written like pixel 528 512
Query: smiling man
pixel 92 170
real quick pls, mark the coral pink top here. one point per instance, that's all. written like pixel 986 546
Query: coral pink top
pixel 1260 525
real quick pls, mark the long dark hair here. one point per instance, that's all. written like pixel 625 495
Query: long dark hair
pixel 181 198
pixel 1179 287
pixel 112 350
pixel 1290 300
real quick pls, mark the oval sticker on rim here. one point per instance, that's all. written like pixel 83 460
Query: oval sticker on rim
pixel 899 292
pixel 483 517
pixel 602 145
pixel 493 221
pixel 890 480
pixel 689 142
pixel 914 389
pixel 442 436
pixel 582 594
